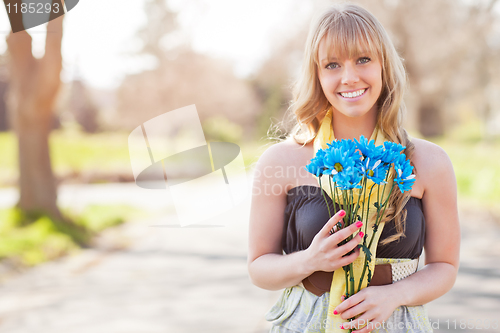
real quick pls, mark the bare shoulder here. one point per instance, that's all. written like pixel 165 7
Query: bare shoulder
pixel 439 202
pixel 288 149
pixel 432 163
pixel 278 161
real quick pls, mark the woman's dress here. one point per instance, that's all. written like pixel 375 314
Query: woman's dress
pixel 297 309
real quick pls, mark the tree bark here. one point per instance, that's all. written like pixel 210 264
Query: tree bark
pixel 430 119
pixel 34 84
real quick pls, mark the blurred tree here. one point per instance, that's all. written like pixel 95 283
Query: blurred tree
pixel 82 107
pixel 189 78
pixel 34 84
pixel 182 77
pixel 4 126
pixel 486 66
pixel 438 41
pixel 447 51
pixel 273 82
pixel 162 21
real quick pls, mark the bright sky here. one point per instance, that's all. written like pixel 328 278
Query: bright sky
pixel 99 40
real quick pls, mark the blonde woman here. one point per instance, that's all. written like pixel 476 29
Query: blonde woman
pixel 351 85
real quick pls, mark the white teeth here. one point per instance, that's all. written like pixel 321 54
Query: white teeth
pixel 353 94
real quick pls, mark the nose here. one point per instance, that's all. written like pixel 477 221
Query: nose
pixel 349 74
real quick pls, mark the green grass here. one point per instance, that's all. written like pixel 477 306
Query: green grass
pixel 476 162
pixel 477 169
pixel 8 153
pixel 43 239
pixel 74 151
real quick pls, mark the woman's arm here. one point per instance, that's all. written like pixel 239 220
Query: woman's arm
pixel 267 266
pixel 442 246
pixel 442 232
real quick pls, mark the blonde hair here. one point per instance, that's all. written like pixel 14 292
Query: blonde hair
pixel 350 30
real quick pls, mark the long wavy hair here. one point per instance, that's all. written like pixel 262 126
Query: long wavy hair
pixel 348 30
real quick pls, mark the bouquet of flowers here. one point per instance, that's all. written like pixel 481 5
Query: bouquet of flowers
pixel 359 172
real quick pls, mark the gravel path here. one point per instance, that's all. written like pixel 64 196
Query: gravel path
pixel 149 276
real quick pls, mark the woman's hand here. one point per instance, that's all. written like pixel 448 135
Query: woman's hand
pixel 374 304
pixel 324 252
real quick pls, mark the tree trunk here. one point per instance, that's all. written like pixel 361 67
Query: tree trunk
pixel 34 84
pixel 4 126
pixel 430 119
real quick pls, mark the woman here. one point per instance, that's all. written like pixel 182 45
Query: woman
pixel 352 84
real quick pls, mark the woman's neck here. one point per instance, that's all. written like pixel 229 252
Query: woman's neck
pixel 352 128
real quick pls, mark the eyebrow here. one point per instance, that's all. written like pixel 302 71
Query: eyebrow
pixel 360 54
pixel 328 59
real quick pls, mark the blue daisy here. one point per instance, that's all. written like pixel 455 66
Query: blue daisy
pixel 336 161
pixel 350 148
pixel 317 165
pixel 350 179
pixel 405 178
pixel 368 148
pixel 391 152
pixel 340 156
pixel 333 144
pixel 375 170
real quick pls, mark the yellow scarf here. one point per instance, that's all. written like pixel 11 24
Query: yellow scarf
pixel 325 135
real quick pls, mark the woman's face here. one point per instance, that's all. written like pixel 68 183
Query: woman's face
pixel 352 86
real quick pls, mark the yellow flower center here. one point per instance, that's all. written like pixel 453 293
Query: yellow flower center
pixel 338 167
pixel 370 173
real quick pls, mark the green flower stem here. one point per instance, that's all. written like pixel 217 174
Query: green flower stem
pixel 344 199
pixel 367 211
pixel 351 279
pixel 350 199
pixel 338 195
pixel 373 236
pixel 378 199
pixel 331 190
pixel 351 207
pixel 361 195
pixel 377 221
pixel 334 191
pixel 379 216
pixel 346 284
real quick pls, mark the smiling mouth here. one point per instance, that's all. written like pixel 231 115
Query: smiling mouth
pixel 353 94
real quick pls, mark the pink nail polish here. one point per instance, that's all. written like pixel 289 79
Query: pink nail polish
pixel 359 224
pixel 335 312
pixel 342 327
pixel 361 233
pixel 342 213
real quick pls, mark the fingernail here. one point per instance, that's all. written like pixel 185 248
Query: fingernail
pixel 342 213
pixel 361 233
pixel 342 327
pixel 335 312
pixel 359 224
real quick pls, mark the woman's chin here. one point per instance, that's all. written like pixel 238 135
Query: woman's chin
pixel 361 113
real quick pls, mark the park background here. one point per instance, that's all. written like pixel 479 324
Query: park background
pixel 85 249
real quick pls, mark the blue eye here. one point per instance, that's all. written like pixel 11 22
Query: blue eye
pixel 332 65
pixel 364 60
